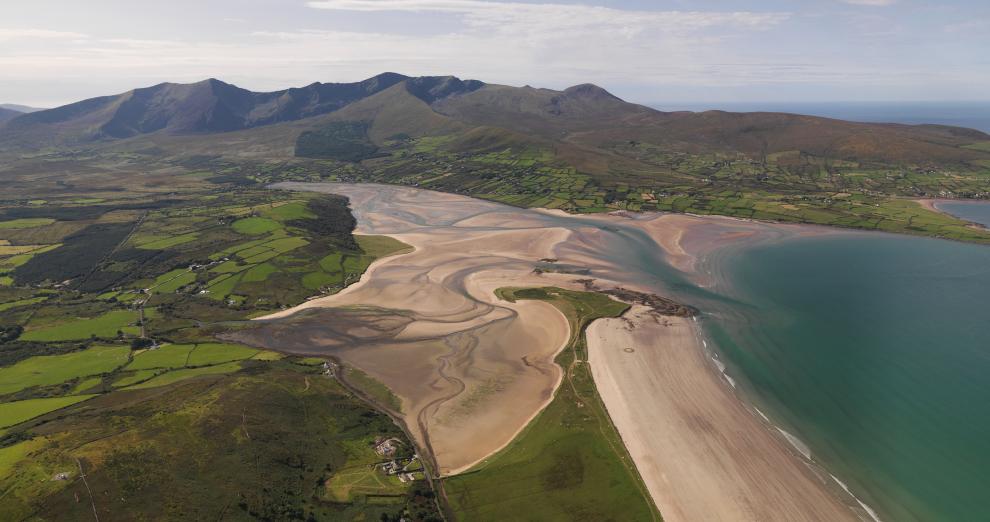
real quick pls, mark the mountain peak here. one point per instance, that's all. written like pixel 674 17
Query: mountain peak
pixel 589 91
pixel 433 88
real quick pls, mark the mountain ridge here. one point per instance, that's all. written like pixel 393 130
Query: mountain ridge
pixel 24 109
pixel 208 106
pixel 584 119
pixel 8 114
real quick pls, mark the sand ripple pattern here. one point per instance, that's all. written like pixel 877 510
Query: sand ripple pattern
pixel 472 371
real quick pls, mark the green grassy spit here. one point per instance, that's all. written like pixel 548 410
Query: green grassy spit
pixel 569 463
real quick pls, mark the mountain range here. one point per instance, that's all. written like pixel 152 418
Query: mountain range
pixel 19 108
pixel 7 114
pixel 582 124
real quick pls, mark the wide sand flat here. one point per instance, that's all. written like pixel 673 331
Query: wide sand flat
pixel 472 371
pixel 703 454
pixel 465 354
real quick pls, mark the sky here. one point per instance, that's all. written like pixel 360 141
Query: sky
pixel 54 52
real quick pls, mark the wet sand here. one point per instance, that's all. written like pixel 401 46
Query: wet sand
pixel 472 370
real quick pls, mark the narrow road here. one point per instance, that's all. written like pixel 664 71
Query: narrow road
pixel 426 453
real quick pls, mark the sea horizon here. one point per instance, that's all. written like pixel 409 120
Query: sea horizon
pixel 969 114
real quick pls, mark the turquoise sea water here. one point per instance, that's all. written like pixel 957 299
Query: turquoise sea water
pixel 875 350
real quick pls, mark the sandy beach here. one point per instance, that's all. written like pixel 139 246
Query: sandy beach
pixel 472 371
pixel 928 204
pixel 702 452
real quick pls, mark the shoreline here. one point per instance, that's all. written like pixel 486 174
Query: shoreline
pixel 685 243
pixel 932 205
pixel 704 261
pixel 550 398
pixel 799 448
pixel 703 451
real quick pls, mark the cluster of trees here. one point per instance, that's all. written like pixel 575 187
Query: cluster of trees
pixel 10 333
pixel 333 221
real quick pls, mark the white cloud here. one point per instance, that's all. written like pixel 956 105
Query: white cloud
pixel 574 43
pixel 27 34
pixel 547 18
pixel 875 3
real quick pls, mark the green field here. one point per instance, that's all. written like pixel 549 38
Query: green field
pixel 176 283
pixel 167 356
pixel 255 226
pixel 11 455
pixel 103 326
pixel 258 273
pixel 22 302
pixel 87 385
pixel 214 353
pixel 25 223
pixel 175 376
pixel 130 378
pixel 55 369
pixel 12 413
pixel 569 463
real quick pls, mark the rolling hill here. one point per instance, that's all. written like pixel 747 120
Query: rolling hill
pixel 19 108
pixel 7 114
